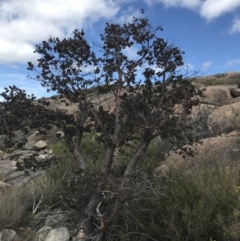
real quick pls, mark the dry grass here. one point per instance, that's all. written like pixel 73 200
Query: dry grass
pixel 220 79
pixel 17 203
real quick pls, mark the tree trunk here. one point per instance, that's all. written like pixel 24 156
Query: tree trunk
pixel 97 197
pixel 79 157
pixel 108 159
pixel 88 225
pixel 134 160
pixel 76 148
pixel 124 192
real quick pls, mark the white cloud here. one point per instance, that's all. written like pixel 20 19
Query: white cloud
pixel 192 4
pixel 16 52
pixel 208 9
pixel 131 53
pixel 26 23
pixel 206 65
pixel 212 9
pixel 235 26
pixel 232 62
pixel 127 15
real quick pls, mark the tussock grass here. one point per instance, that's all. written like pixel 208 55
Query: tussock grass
pixel 17 203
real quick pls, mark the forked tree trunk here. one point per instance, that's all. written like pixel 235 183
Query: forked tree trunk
pixel 124 192
pixel 89 226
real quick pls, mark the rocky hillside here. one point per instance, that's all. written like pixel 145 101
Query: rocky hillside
pixel 220 107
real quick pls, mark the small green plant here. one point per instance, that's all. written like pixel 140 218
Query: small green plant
pixel 63 182
pixel 54 97
pixel 93 152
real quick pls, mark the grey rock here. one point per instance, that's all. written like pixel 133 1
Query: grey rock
pixel 55 220
pixel 7 167
pixel 21 178
pixel 28 146
pixel 36 136
pixel 59 234
pixel 40 145
pixel 12 176
pixel 42 233
pixel 80 235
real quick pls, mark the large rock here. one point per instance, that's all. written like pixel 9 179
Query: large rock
pixel 226 118
pixel 217 95
pixel 221 149
pixel 11 175
pixel 59 234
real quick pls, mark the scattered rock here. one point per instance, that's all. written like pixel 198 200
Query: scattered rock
pixel 59 234
pixel 27 161
pixel 37 136
pixel 42 233
pixel 40 145
pixel 28 146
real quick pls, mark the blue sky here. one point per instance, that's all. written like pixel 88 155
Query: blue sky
pixel 207 30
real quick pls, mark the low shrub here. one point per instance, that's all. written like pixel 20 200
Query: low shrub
pixel 66 185
pixel 191 205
